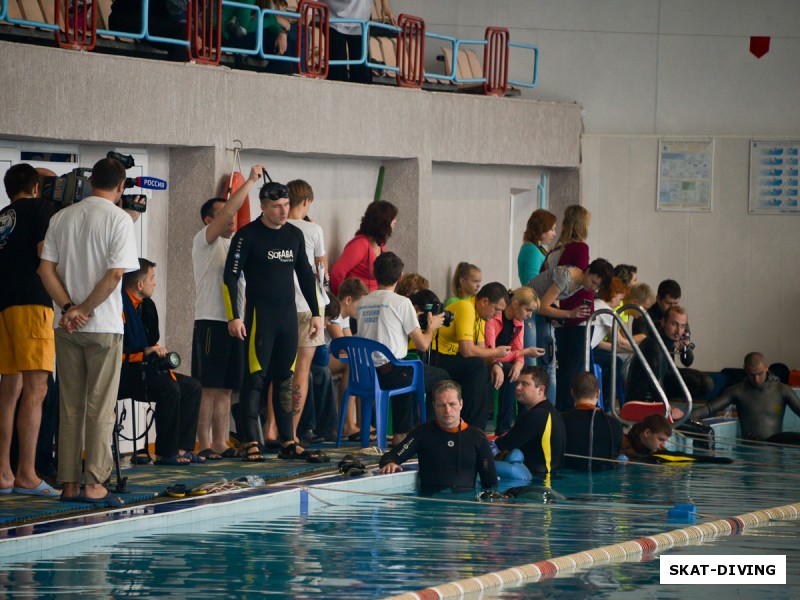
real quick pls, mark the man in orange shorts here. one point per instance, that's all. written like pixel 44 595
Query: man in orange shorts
pixel 27 349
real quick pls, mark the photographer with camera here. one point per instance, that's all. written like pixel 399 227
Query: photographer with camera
pixel 461 351
pixel 147 372
pixel 672 330
pixel 389 318
pixel 87 248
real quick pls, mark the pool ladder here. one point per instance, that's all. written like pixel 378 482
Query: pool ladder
pixel 617 324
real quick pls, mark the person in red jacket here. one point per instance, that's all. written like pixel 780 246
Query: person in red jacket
pixel 370 241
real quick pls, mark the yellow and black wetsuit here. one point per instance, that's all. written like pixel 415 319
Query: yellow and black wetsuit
pixel 269 258
pixel 539 435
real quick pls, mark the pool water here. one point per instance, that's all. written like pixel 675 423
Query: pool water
pixel 374 546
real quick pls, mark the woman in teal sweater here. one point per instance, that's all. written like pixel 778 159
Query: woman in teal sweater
pixel 539 232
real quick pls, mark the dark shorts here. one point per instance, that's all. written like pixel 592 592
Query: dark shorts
pixel 217 358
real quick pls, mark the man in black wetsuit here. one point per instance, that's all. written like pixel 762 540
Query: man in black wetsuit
pixel 450 451
pixel 539 430
pixel 590 432
pixel 760 402
pixel 269 251
pixel 647 437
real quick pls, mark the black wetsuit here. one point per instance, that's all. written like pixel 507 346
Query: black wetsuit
pixel 591 432
pixel 448 460
pixel 539 435
pixel 269 258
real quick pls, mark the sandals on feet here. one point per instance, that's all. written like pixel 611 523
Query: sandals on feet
pixel 210 454
pixel 291 452
pixel 177 460
pixel 251 453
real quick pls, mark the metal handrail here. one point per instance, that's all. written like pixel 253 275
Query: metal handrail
pixel 259 30
pixel 617 321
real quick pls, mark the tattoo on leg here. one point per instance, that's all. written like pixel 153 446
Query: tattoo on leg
pixel 286 395
pixel 296 399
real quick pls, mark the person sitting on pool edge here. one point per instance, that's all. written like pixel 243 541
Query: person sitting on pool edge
pixel 451 452
pixel 760 403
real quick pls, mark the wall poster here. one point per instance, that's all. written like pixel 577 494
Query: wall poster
pixel 774 178
pixel 684 174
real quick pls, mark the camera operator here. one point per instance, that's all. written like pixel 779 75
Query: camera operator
pixel 461 351
pixel 146 372
pixel 673 333
pixel 389 318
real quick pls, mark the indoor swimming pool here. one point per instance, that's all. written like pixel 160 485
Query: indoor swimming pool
pixel 378 542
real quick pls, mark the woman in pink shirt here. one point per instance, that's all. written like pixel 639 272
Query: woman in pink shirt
pixel 505 329
pixel 370 241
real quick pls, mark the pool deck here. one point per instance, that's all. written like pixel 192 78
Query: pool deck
pixel 148 484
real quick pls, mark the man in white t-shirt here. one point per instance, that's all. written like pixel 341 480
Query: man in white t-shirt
pixel 217 358
pixel 87 249
pixel 301 195
pixel 390 319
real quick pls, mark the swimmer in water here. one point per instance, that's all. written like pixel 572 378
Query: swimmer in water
pixel 760 401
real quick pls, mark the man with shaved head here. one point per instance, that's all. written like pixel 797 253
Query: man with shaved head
pixel 760 401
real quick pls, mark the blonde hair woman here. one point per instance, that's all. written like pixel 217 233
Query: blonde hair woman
pixel 506 329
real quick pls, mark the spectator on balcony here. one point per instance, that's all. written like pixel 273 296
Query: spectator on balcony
pixel 165 18
pixel 345 38
pixel 240 28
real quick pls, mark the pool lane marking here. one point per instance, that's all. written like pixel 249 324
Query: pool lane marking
pixel 649 545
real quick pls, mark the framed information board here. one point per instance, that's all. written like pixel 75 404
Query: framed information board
pixel 684 174
pixel 774 188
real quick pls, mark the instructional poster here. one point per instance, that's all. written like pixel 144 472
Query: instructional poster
pixel 774 178
pixel 684 175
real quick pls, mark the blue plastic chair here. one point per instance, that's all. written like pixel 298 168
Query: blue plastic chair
pixel 363 383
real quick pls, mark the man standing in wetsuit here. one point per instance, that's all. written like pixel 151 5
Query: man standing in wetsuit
pixel 539 430
pixel 269 251
pixel 451 452
pixel 760 401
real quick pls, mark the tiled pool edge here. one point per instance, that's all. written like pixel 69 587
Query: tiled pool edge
pixel 47 536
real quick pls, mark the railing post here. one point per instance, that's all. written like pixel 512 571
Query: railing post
pixel 313 39
pixel 204 31
pixel 77 25
pixel 495 61
pixel 410 51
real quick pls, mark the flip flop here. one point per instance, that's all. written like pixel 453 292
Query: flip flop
pixel 195 458
pixel 109 501
pixel 210 454
pixel 177 490
pixel 43 489
pixel 6 490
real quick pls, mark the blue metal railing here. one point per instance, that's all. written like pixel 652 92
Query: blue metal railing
pixel 268 54
pixel 456 48
pixel 365 45
pixel 535 78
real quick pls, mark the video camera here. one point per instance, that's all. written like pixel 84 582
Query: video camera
pixel 73 187
pixel 434 308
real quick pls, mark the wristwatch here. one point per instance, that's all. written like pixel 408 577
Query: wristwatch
pixel 66 307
